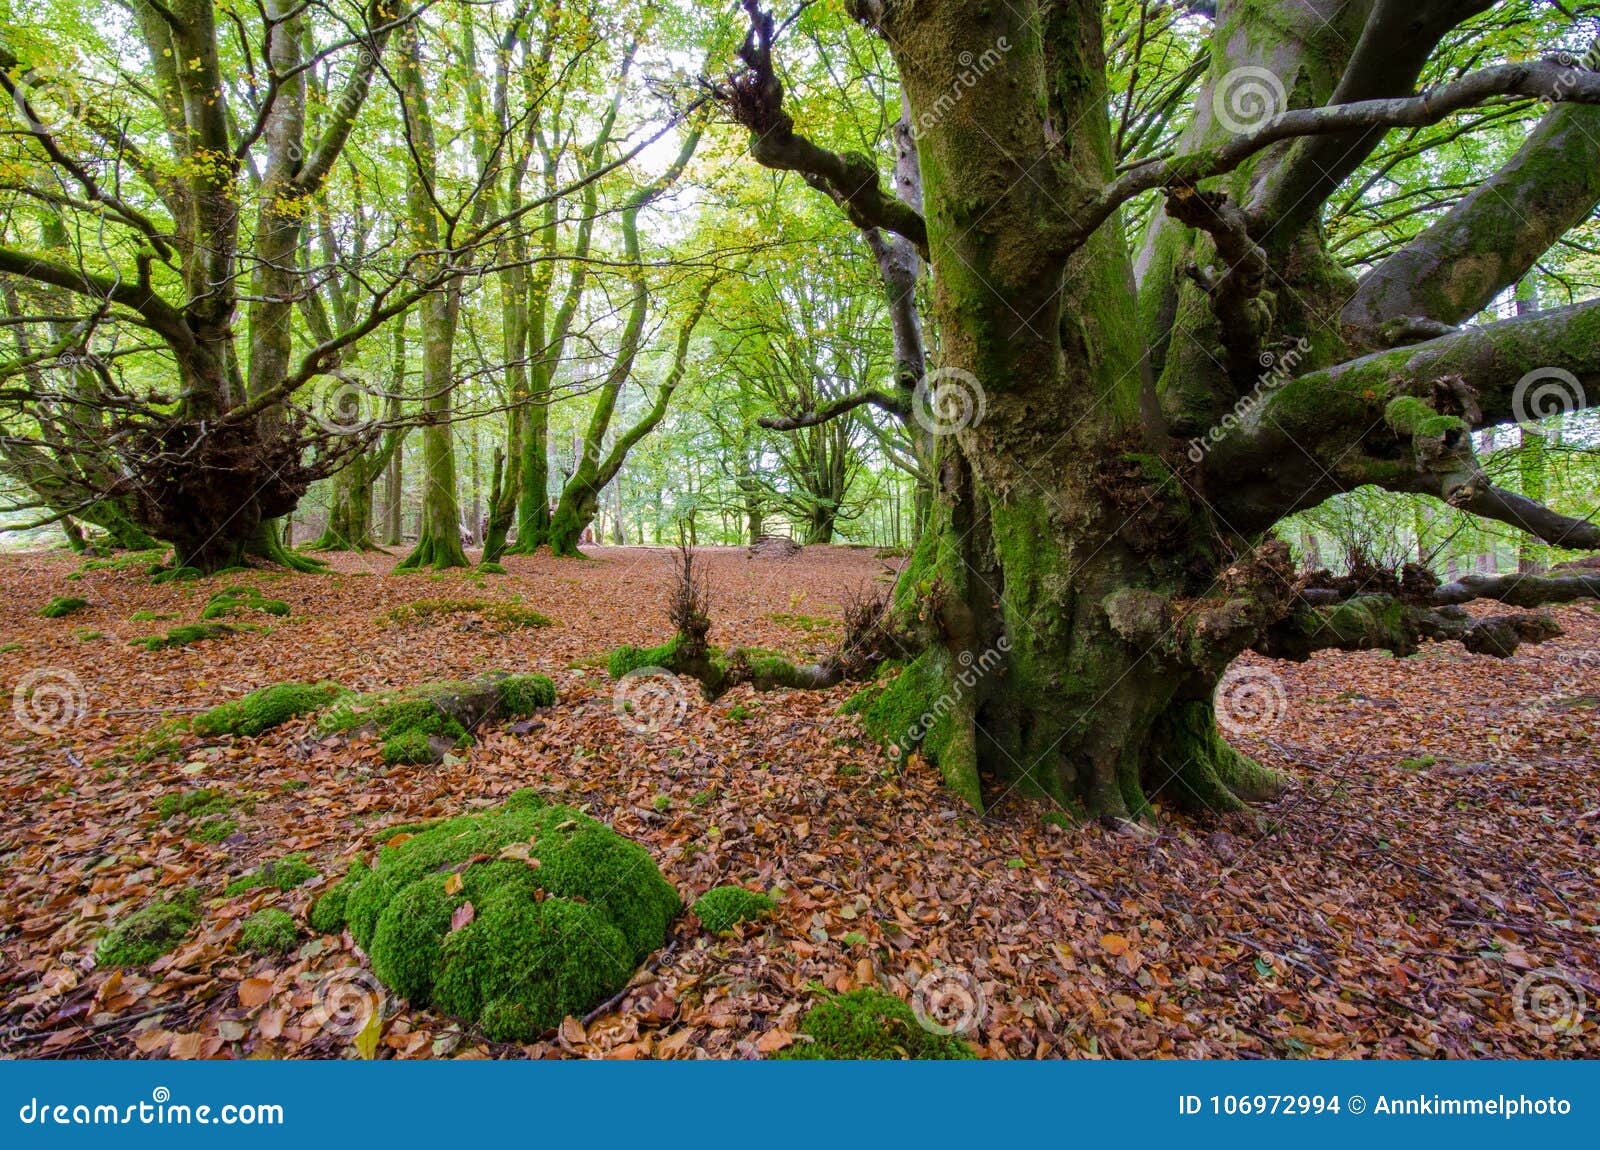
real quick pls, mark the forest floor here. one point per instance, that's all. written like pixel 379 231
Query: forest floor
pixel 1429 879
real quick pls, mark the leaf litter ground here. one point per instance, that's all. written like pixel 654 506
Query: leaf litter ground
pixel 1435 852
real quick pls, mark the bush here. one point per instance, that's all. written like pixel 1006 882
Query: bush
pixel 147 934
pixel 562 910
pixel 269 932
pixel 285 874
pixel 263 709
pixel 868 1024
pixel 62 605
pixel 724 907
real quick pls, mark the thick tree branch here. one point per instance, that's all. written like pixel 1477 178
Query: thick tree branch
pixel 829 411
pixel 1539 79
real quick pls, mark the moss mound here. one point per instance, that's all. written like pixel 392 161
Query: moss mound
pixel 147 934
pixel 725 907
pixel 232 600
pixel 285 874
pixel 868 1024
pixel 62 605
pixel 504 616
pixel 417 724
pixel 263 709
pixel 269 932
pixel 185 635
pixel 562 910
pixel 491 568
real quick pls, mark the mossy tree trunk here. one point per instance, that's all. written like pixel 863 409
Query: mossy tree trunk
pixel 439 541
pixel 1093 561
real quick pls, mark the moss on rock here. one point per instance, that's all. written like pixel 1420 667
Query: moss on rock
pixel 62 605
pixel 502 615
pixel 269 931
pixel 868 1024
pixel 185 635
pixel 147 934
pixel 562 910
pixel 232 600
pixel 285 874
pixel 724 907
pixel 418 724
pixel 263 709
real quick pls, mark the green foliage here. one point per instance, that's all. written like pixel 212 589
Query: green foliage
pixel 232 600
pixel 147 934
pixel 562 909
pixel 265 708
pixel 868 1024
pixel 285 874
pixel 185 635
pixel 724 907
pixel 505 616
pixel 62 605
pixel 269 931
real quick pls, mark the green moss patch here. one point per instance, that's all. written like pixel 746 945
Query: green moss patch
pixel 725 907
pixel 263 709
pixel 62 605
pixel 419 724
pixel 491 569
pixel 501 615
pixel 147 934
pixel 512 918
pixel 205 812
pixel 269 931
pixel 233 600
pixel 868 1024
pixel 285 874
pixel 184 636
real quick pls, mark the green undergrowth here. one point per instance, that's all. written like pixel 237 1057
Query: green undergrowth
pixel 270 931
pixel 725 907
pixel 512 918
pixel 868 1024
pixel 233 600
pixel 502 615
pixel 265 708
pixel 62 605
pixel 415 723
pixel 148 933
pixel 284 874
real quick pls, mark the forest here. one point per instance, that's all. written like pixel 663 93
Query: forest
pixel 800 529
